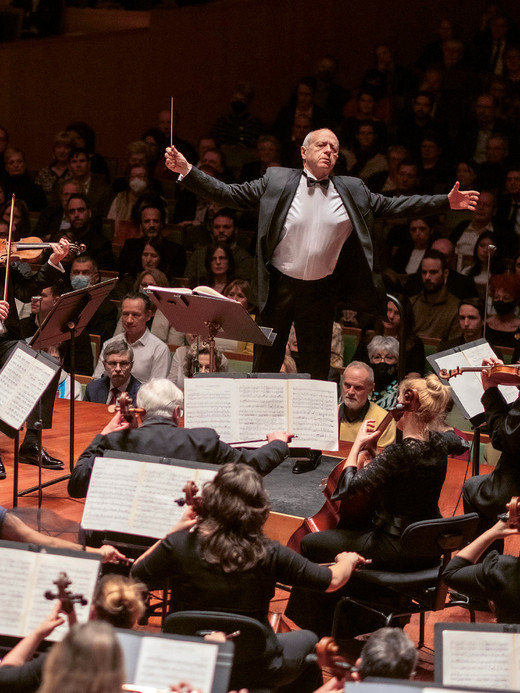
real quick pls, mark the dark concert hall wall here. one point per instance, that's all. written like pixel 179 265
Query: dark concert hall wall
pixel 118 80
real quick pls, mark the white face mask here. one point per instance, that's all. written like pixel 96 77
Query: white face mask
pixel 138 185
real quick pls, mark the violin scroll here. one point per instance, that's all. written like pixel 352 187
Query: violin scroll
pixel 191 497
pixel 134 415
pixel 66 596
pixel 327 657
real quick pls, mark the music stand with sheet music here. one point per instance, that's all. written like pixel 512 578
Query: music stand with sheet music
pixel 466 389
pixel 66 320
pixel 21 388
pixel 153 678
pixel 207 316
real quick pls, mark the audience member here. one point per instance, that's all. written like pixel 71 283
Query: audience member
pixel 484 258
pixel 364 158
pixel 301 103
pixel 268 151
pixel 121 208
pixel 95 187
pixel 466 233
pixel 503 328
pixel 86 230
pixel 58 169
pixel 328 94
pixel 197 360
pixel 386 181
pixel 18 181
pixel 118 361
pixel 85 138
pixel 435 308
pixel 357 384
pixel 219 265
pixel 383 354
pixel 54 219
pixel 151 356
pixel 239 126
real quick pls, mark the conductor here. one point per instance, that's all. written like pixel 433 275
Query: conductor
pixel 314 244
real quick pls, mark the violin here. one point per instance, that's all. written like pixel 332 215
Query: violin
pixel 356 512
pixel 328 658
pixel 499 374
pixel 125 407
pixel 67 598
pixel 30 249
pixel 512 516
pixel 191 497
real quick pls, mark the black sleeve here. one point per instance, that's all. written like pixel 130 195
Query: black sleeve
pixel 24 679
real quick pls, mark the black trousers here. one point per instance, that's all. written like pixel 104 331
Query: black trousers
pixel 311 306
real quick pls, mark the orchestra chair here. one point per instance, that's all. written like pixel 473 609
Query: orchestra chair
pixel 418 591
pixel 95 345
pixel 249 642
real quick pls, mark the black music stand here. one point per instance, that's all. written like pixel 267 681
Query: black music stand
pixel 207 316
pixel 67 319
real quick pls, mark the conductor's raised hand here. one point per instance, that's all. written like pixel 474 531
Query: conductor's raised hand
pixel 176 161
pixel 487 382
pixel 463 199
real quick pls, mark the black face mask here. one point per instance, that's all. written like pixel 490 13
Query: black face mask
pixel 504 307
pixel 384 374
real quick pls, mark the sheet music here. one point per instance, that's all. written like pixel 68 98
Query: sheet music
pixel 22 382
pixel 479 659
pixel 26 576
pixel 144 504
pixel 249 409
pixel 163 662
pixel 468 386
pixel 83 574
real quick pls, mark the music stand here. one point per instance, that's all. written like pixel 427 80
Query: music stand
pixel 208 316
pixel 66 320
pixel 21 387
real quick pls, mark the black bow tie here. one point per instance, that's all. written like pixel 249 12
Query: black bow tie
pixel 311 182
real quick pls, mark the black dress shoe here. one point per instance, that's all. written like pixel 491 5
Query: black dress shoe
pixel 30 456
pixel 3 474
pixel 307 464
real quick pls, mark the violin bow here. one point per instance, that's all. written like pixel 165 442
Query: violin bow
pixel 8 257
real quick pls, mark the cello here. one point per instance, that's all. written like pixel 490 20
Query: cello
pixel 356 512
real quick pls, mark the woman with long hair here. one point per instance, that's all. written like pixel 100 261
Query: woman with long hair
pixel 88 659
pixel 227 563
pixel 220 266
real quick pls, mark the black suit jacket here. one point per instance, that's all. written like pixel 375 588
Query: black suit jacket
pixel 161 437
pixel 97 390
pixel 273 194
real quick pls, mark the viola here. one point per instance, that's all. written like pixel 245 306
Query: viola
pixel 67 598
pixel 134 415
pixel 191 497
pixel 30 249
pixel 512 516
pixel 499 374
pixel 355 512
pixel 327 656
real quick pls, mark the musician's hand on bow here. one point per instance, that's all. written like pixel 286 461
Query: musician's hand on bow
pixel 109 554
pixel 280 435
pixel 60 251
pixel 463 199
pixel 176 161
pixel 4 310
pixel 489 361
pixel 116 423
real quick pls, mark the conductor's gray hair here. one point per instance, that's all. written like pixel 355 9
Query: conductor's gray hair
pixel 159 397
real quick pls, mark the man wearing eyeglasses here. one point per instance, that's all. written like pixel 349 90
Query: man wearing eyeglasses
pixel 118 359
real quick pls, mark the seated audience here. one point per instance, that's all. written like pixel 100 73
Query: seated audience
pixel 483 258
pixel 151 356
pixel 121 208
pixel 226 562
pixel 364 158
pixel 85 137
pixel 435 309
pixel 357 385
pixel 383 354
pixel 408 255
pixel 467 232
pixel 198 361
pixel 220 266
pixel 118 360
pixel 502 328
pixel 95 187
pixel 268 149
pixel 48 176
pixel 54 219
pixel 160 435
pixel 18 181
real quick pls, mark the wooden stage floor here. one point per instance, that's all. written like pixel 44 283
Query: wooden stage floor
pixel 91 418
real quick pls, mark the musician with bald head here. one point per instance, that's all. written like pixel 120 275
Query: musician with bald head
pixel 314 244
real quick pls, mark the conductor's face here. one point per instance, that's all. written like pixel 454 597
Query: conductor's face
pixel 321 153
